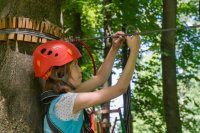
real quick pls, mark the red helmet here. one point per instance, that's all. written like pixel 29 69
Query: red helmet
pixel 53 53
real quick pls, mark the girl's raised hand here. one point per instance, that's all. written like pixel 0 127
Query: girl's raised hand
pixel 118 39
pixel 133 41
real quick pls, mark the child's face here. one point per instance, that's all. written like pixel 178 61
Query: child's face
pixel 75 73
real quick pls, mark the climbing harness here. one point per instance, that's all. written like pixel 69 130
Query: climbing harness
pixel 46 97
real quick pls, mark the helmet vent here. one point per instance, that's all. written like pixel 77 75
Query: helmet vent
pixel 56 54
pixel 49 52
pixel 43 50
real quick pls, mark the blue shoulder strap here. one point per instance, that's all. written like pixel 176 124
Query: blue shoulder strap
pixel 52 126
pixel 46 97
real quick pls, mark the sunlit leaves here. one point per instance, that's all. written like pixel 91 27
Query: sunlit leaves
pixel 147 90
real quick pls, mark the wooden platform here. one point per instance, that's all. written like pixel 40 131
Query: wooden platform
pixel 30 24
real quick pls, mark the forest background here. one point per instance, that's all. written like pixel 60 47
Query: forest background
pixel 100 18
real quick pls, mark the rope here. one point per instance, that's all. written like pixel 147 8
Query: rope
pixel 145 32
pixel 52 37
pixel 89 52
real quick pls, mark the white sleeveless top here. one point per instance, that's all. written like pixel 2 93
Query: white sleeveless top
pixel 64 107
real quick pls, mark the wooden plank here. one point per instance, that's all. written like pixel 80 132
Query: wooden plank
pixel 14 22
pixel 51 30
pixel 3 37
pixel 0 24
pixel 20 22
pixel 42 26
pixel 34 27
pixel 24 22
pixel 38 25
pixel 30 27
pixel 3 22
pixel 3 25
pixel 13 25
pixel 58 32
pixel 46 27
pixel 20 37
pixel 10 22
pixel 27 38
pixel 44 40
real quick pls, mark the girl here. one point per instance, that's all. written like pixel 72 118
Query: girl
pixel 56 61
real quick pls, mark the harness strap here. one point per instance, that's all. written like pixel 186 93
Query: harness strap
pixel 47 96
pixel 52 125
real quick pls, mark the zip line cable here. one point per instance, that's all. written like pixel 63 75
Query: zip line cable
pixel 145 32
pixel 52 37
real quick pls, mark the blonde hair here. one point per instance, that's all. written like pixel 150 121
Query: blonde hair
pixel 55 83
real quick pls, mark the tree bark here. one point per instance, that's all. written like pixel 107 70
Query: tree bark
pixel 20 108
pixel 127 96
pixel 168 41
pixel 107 42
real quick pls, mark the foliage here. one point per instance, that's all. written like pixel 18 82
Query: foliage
pixel 147 106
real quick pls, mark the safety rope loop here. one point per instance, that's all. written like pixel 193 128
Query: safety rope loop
pixel 89 52
pixel 131 29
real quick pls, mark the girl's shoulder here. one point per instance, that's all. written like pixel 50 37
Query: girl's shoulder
pixel 64 106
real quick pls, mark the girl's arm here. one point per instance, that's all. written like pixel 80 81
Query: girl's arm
pixel 90 99
pixel 106 67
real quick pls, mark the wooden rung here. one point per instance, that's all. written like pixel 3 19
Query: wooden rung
pixel 38 26
pixel 46 27
pixel 11 36
pixel 12 24
pixel 3 23
pixel 34 39
pixel 26 21
pixel 35 25
pixel 23 22
pixel 20 22
pixel 20 37
pixel 42 26
pixel 30 26
pixel 51 30
pixel 27 37
pixel 44 40
pixel 3 37
pixel 57 32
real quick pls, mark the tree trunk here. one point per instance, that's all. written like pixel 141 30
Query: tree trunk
pixel 107 32
pixel 169 68
pixel 20 108
pixel 127 96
